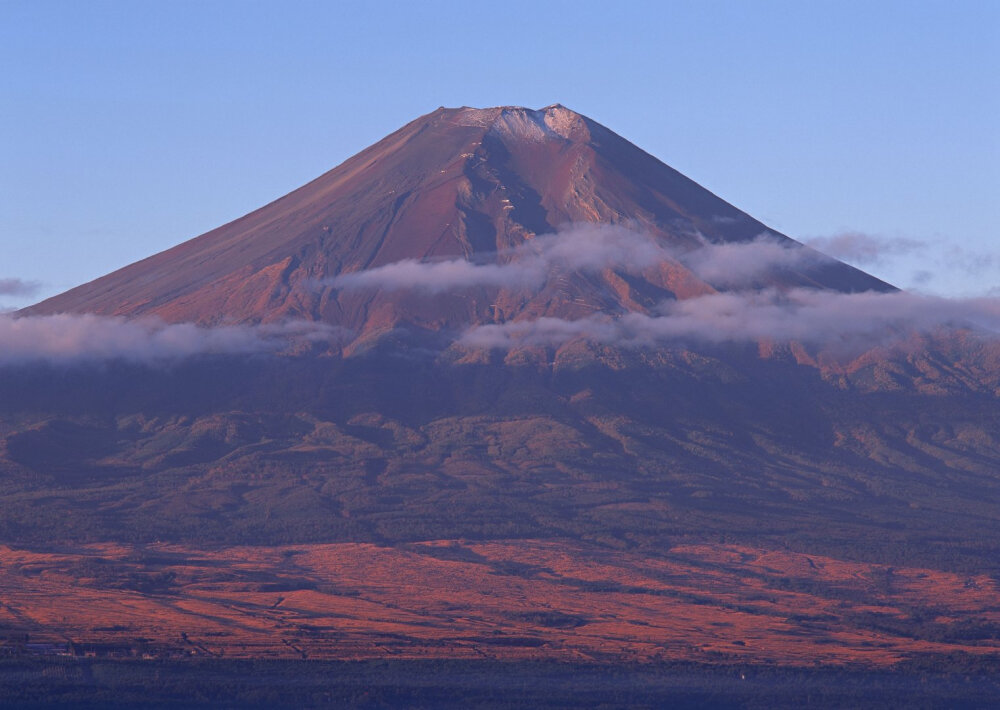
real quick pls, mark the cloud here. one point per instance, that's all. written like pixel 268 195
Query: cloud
pixel 804 315
pixel 957 268
pixel 441 276
pixel 862 248
pixel 18 287
pixel 743 263
pixel 69 339
pixel 970 262
pixel 586 248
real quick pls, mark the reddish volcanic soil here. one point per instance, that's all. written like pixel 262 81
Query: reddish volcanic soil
pixel 502 600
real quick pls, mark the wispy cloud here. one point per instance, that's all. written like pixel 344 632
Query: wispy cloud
pixel 18 287
pixel 743 263
pixel 863 248
pixel 441 276
pixel 72 339
pixel 804 315
pixel 586 248
pixel 969 261
pixel 579 248
pixel 959 268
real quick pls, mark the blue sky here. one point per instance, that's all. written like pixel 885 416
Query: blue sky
pixel 127 127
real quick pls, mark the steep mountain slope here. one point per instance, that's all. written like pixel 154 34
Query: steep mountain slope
pixel 466 183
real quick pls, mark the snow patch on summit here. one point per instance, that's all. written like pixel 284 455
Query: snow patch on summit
pixel 561 120
pixel 481 117
pixel 555 121
pixel 523 124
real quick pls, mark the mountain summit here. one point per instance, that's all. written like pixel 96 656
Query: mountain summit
pixel 456 184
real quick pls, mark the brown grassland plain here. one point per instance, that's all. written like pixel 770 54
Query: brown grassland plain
pixel 505 600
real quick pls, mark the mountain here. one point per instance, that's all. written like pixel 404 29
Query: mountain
pixel 457 183
pixel 763 498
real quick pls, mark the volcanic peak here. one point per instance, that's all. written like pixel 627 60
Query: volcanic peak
pixel 554 121
pixel 454 183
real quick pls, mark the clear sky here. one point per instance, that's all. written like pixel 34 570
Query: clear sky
pixel 127 127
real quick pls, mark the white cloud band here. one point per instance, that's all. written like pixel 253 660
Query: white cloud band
pixel 586 248
pixel 803 315
pixel 69 339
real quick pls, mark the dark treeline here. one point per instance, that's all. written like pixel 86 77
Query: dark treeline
pixel 955 682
